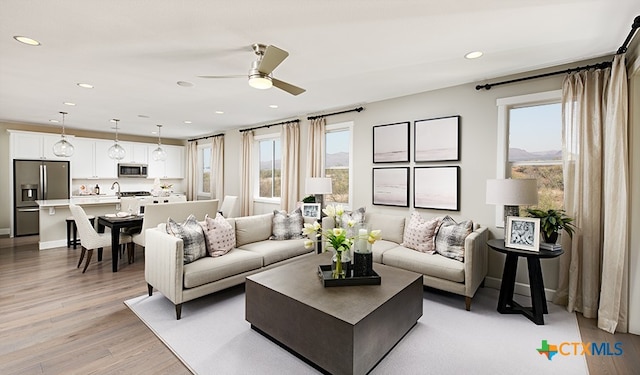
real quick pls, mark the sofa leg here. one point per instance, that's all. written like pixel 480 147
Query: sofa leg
pixel 178 311
pixel 150 289
pixel 467 302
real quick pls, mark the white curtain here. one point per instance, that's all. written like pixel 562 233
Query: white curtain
pixel 246 199
pixel 192 171
pixel 316 147
pixel 216 180
pixel 290 166
pixel 592 275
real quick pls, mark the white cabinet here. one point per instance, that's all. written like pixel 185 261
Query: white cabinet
pixel 137 153
pixel 172 167
pixel 91 159
pixel 30 145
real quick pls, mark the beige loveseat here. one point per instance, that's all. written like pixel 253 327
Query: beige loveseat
pixel 437 271
pixel 254 251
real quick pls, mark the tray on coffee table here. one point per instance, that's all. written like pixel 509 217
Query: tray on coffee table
pixel 325 273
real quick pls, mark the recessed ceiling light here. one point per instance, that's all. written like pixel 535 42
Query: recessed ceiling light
pixel 69 103
pixel 473 55
pixel 184 84
pixel 52 120
pixel 85 85
pixel 26 40
pixel 187 122
pixel 219 112
pixel 273 106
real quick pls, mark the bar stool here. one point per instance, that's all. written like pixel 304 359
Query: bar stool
pixel 71 227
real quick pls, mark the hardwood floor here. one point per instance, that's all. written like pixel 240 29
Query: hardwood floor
pixel 56 320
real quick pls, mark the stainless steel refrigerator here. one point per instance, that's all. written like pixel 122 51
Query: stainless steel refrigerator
pixel 36 180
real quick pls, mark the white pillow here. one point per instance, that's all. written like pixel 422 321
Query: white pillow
pixel 420 234
pixel 219 235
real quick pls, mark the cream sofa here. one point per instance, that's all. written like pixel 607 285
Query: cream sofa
pixel 254 251
pixel 437 271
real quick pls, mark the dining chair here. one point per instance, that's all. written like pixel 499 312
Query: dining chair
pixel 228 207
pixel 90 239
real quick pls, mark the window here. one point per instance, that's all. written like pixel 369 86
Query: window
pixel 204 171
pixel 269 158
pixel 530 145
pixel 337 162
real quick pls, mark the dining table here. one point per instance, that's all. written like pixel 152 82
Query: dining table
pixel 116 223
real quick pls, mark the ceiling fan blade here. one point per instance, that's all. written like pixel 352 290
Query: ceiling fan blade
pixel 291 89
pixel 228 76
pixel 273 56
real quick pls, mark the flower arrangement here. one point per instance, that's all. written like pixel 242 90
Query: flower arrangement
pixel 166 186
pixel 338 238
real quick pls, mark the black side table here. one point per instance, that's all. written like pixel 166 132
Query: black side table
pixel 506 304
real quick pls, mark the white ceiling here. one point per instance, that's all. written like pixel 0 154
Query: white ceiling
pixel 343 52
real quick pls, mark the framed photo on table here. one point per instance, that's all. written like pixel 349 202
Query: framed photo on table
pixel 391 143
pixel 523 233
pixel 311 210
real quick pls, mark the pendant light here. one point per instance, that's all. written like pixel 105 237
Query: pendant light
pixel 63 147
pixel 159 154
pixel 116 151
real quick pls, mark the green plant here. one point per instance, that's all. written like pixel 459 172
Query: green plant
pixel 552 221
pixel 309 199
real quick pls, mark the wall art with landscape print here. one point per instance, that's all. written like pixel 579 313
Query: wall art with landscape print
pixel 437 188
pixel 391 186
pixel 391 143
pixel 437 139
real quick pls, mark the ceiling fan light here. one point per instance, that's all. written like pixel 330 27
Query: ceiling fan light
pixel 260 82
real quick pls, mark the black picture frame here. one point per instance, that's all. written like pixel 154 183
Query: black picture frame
pixel 390 186
pixel 437 139
pixel 391 143
pixel 437 188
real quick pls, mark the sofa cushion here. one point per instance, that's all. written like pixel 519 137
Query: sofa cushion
pixel 380 247
pixel 287 226
pixel 219 235
pixel 208 269
pixel 192 236
pixel 276 251
pixel 450 238
pixel 253 228
pixel 427 264
pixel 392 226
pixel 419 234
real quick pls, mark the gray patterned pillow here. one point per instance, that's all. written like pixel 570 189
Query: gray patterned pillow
pixel 192 236
pixel 451 236
pixel 287 226
pixel 356 215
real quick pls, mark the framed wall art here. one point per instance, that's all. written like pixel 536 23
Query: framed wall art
pixel 391 143
pixel 437 139
pixel 391 186
pixel 523 233
pixel 311 210
pixel 437 188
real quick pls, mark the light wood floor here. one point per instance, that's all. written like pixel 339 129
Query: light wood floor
pixel 56 320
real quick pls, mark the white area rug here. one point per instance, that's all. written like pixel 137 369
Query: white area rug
pixel 213 338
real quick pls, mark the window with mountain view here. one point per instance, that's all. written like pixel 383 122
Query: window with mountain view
pixel 338 162
pixel 269 154
pixel 204 171
pixel 535 150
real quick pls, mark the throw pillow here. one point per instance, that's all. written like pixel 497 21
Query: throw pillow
pixel 451 236
pixel 192 237
pixel 287 226
pixel 420 234
pixel 357 216
pixel 219 235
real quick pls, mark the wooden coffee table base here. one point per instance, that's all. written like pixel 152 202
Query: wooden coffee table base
pixel 342 330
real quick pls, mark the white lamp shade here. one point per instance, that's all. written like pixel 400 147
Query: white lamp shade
pixel 512 192
pixel 318 185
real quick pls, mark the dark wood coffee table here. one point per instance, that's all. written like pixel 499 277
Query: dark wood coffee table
pixel 342 330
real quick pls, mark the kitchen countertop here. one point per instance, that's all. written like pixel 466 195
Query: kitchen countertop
pixel 90 200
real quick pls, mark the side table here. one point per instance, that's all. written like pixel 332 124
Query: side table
pixel 506 304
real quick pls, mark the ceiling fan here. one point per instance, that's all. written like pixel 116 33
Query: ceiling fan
pixel 260 77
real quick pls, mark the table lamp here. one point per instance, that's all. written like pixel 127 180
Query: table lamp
pixel 512 193
pixel 318 186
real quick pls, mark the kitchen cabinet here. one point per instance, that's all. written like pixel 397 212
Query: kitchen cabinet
pixel 137 153
pixel 172 167
pixel 31 145
pixel 91 159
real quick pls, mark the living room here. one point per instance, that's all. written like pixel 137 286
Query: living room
pixel 479 142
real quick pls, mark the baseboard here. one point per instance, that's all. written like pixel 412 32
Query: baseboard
pixel 5 231
pixel 51 244
pixel 520 288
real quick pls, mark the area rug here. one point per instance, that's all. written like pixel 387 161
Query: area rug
pixel 213 338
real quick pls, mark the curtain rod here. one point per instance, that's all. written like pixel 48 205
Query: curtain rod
pixel 602 65
pixel 359 109
pixel 207 137
pixel 268 126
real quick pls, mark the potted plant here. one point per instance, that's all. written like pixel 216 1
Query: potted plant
pixel 551 222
